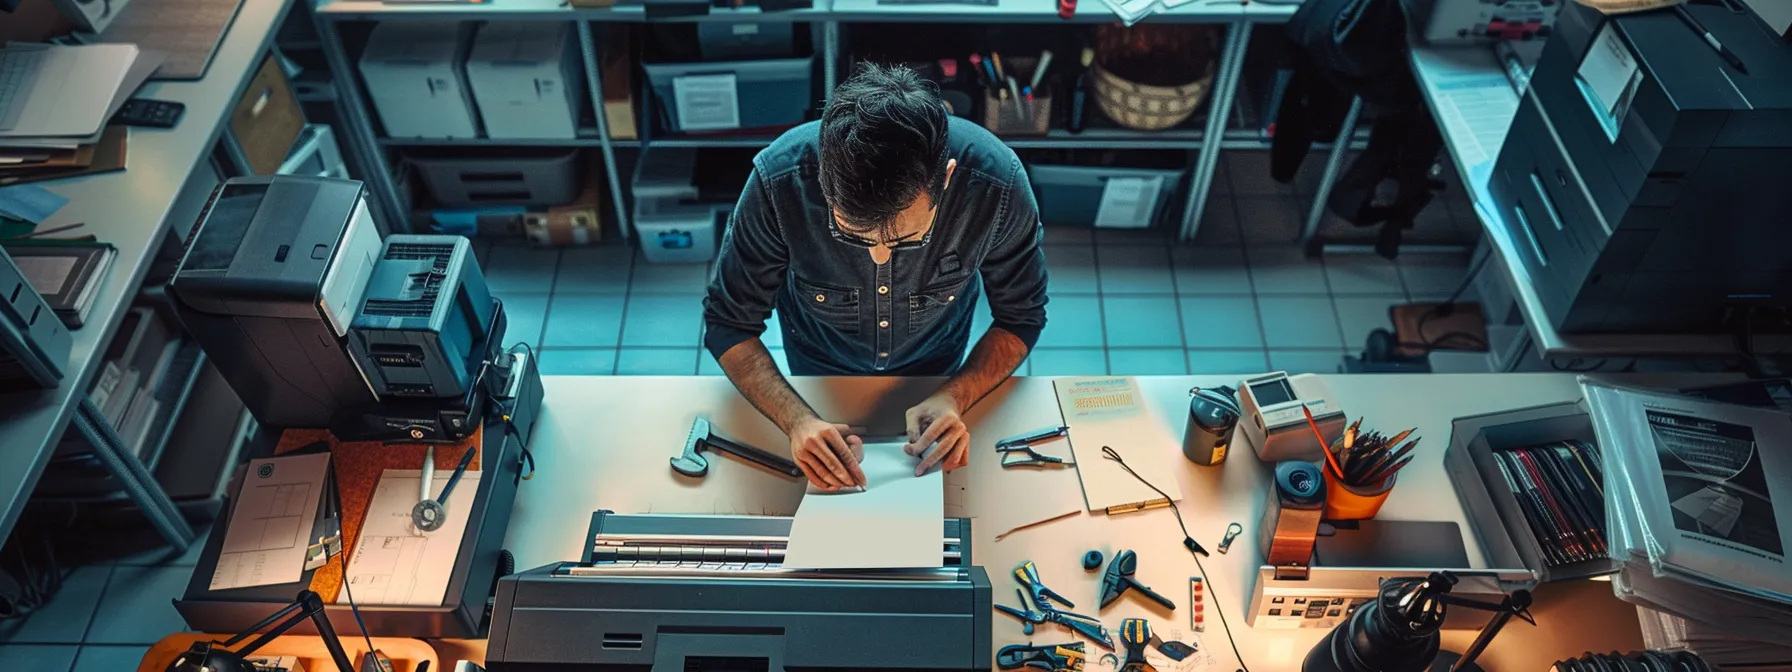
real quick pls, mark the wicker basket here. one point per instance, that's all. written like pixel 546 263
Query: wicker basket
pixel 1144 107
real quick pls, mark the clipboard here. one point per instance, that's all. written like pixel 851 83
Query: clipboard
pixel 1112 411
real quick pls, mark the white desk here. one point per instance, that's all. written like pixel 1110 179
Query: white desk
pixel 130 210
pixel 603 443
pixel 1473 104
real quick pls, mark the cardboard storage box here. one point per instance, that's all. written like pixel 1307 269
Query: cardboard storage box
pixel 416 76
pixel 526 78
pixel 267 119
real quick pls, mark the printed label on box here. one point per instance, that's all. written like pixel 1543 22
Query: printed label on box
pixel 706 102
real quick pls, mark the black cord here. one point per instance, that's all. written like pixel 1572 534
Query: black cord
pixel 342 562
pixel 1109 453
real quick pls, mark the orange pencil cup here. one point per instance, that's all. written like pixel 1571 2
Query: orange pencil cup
pixel 1354 502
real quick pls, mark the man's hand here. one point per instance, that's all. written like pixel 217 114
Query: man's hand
pixel 934 422
pixel 828 454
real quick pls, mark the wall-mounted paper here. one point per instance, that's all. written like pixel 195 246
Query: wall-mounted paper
pixel 896 522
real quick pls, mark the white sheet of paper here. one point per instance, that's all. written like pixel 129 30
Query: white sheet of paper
pixel 396 563
pixel 896 522
pixel 1111 411
pixel 1128 202
pixel 706 102
pixel 271 521
pixel 1608 75
pixel 47 275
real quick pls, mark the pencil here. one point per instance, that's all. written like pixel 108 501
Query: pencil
pixel 1324 447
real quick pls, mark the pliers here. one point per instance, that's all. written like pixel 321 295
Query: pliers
pixel 1042 610
pixel 1048 657
pixel 1023 455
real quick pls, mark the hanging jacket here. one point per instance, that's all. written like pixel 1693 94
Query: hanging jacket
pixel 1356 49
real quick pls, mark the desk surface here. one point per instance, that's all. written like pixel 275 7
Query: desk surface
pixel 1473 104
pixel 129 209
pixel 604 443
pixel 1004 11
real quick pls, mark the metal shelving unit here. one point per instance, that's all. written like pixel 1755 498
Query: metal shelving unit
pixel 82 477
pixel 371 151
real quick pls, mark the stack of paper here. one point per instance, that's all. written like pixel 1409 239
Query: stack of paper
pixel 54 122
pixel 1698 499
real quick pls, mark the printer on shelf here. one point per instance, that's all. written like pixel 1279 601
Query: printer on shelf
pixel 269 284
pixel 1645 179
pixel 639 600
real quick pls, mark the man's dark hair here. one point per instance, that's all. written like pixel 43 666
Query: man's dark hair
pixel 883 143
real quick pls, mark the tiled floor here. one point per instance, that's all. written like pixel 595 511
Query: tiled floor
pixel 1119 304
pixel 104 618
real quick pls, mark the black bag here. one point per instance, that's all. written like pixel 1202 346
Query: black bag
pixel 1350 49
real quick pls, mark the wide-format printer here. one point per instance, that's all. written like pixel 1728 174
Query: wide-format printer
pixel 674 593
pixel 1646 182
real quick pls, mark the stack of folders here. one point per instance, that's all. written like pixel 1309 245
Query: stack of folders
pixel 1557 486
pixel 1698 496
pixel 55 102
pixel 137 362
pixel 67 273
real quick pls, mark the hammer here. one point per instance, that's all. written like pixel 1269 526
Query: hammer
pixel 692 462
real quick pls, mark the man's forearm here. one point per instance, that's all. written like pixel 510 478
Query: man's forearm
pixel 992 361
pixel 753 371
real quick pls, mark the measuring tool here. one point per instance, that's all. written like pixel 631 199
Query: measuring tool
pixel 431 512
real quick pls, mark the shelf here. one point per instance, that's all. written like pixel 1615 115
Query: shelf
pixel 587 137
pixel 1109 138
pixel 540 10
pixel 81 477
pixel 705 141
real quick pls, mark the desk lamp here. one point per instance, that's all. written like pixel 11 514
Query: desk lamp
pixel 217 657
pixel 1398 631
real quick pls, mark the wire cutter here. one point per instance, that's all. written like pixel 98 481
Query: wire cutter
pixel 1042 610
pixel 1048 657
pixel 1023 455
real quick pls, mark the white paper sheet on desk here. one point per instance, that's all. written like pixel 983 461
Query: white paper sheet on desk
pixel 271 522
pixel 396 563
pixel 1051 492
pixel 1111 411
pixel 896 522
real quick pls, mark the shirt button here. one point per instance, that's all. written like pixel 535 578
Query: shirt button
pixel 883 324
pixel 821 298
pixel 952 298
pixel 883 289
pixel 883 354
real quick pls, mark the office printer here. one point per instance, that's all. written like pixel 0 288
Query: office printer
pixel 426 312
pixel 1645 181
pixel 270 280
pixel 674 593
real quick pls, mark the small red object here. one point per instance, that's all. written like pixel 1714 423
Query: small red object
pixel 1066 9
pixel 949 68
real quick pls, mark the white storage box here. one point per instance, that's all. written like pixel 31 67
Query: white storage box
pixel 416 75
pixel 675 232
pixel 315 154
pixel 526 78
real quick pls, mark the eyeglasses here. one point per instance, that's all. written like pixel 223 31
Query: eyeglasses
pixel 911 240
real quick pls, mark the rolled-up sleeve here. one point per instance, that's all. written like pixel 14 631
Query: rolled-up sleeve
pixel 1014 273
pixel 748 275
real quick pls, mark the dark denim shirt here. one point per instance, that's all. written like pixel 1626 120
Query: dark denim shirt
pixel 843 314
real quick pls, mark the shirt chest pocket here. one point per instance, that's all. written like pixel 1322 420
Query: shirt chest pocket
pixel 837 307
pixel 927 304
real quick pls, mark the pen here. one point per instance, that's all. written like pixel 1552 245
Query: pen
pixel 986 73
pixel 1728 56
pixel 1045 61
pixel 1035 436
pixel 997 59
pixel 1014 90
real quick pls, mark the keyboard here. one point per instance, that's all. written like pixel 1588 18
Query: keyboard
pixel 18 71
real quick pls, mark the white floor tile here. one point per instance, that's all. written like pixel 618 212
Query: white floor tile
pixel 1230 361
pixel 38 657
pixel 138 607
pixel 1270 221
pixel 655 278
pixel 583 362
pixel 662 321
pixel 1071 270
pixel 1146 362
pixel 1135 269
pixel 1211 270
pixel 1221 322
pixel 1072 322
pixel 1433 274
pixel 595 270
pixel 656 362
pixel 520 269
pixel 1135 321
pixel 109 658
pixel 1362 274
pixel 1286 270
pixel 1358 315
pixel 1068 362
pixel 64 619
pixel 583 321
pixel 524 315
pixel 1306 361
pixel 1299 322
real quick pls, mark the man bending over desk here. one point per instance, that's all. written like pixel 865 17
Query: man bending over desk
pixel 873 232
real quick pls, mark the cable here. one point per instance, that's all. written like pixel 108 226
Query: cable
pixel 343 563
pixel 1109 453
